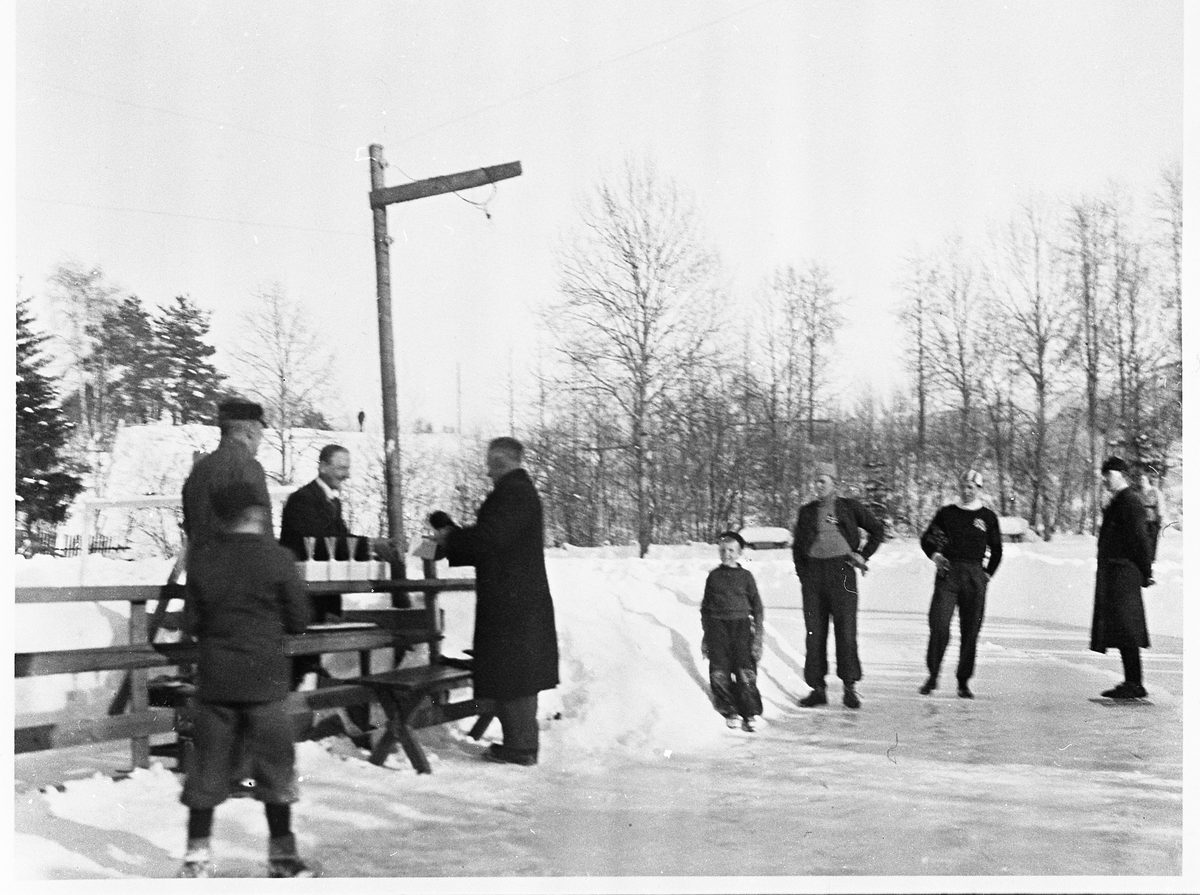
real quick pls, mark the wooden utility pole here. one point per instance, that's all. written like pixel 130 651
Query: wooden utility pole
pixel 380 198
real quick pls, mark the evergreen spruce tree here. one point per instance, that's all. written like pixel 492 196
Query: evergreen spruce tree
pixel 46 481
pixel 128 338
pixel 191 384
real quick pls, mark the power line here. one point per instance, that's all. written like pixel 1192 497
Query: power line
pixel 583 71
pixel 194 217
pixel 173 112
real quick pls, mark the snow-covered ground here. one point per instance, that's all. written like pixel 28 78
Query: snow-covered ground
pixel 640 780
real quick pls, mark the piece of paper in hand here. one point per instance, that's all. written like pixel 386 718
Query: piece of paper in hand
pixel 426 549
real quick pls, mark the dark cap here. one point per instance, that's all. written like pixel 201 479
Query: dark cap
pixel 232 499
pixel 732 536
pixel 1115 464
pixel 239 409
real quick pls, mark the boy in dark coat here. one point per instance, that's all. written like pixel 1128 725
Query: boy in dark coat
pixel 957 540
pixel 731 615
pixel 516 642
pixel 1123 568
pixel 243 596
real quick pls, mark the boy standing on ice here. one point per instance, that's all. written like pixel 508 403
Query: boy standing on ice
pixel 731 614
pixel 243 596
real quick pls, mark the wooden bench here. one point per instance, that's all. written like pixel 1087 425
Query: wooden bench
pixel 412 698
pixel 153 710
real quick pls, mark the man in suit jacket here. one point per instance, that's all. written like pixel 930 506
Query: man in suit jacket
pixel 315 511
pixel 516 642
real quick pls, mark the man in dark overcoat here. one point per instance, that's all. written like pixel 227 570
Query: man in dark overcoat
pixel 1123 568
pixel 516 643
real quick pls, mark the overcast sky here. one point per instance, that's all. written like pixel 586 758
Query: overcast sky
pixel 210 148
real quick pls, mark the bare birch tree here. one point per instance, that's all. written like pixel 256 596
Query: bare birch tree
pixel 1038 325
pixel 1085 247
pixel 955 356
pixel 282 361
pixel 637 306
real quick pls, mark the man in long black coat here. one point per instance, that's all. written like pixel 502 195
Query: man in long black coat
pixel 516 643
pixel 1123 568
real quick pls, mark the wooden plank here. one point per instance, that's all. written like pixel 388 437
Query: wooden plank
pixel 146 593
pixel 387 586
pixel 389 619
pixel 109 593
pixel 315 644
pixel 62 734
pixel 337 696
pixel 433 714
pixel 420 677
pixel 447 183
pixel 77 661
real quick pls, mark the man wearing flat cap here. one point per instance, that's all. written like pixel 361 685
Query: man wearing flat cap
pixel 828 550
pixel 241 424
pixel 1123 568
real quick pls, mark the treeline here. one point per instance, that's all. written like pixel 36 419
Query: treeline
pixel 127 363
pixel 1055 340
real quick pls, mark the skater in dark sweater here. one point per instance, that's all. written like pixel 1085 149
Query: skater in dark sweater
pixel 243 595
pixel 731 615
pixel 958 539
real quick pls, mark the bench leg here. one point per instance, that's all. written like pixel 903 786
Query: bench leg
pixel 397 731
pixel 480 726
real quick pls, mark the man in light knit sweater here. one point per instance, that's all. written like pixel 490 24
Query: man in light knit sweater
pixel 731 615
pixel 827 549
pixel 958 539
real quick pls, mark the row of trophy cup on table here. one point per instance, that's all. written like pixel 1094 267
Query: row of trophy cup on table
pixel 349 569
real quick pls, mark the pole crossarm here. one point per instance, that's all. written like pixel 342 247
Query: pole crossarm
pixel 448 183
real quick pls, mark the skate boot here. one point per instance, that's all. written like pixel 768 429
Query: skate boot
pixel 197 861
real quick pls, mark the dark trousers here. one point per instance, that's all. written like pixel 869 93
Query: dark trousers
pixel 1131 659
pixel 236 739
pixel 732 674
pixel 962 586
pixel 518 721
pixel 829 588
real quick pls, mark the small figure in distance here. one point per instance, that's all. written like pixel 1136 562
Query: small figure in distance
pixel 244 594
pixel 731 615
pixel 958 539
pixel 1123 568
